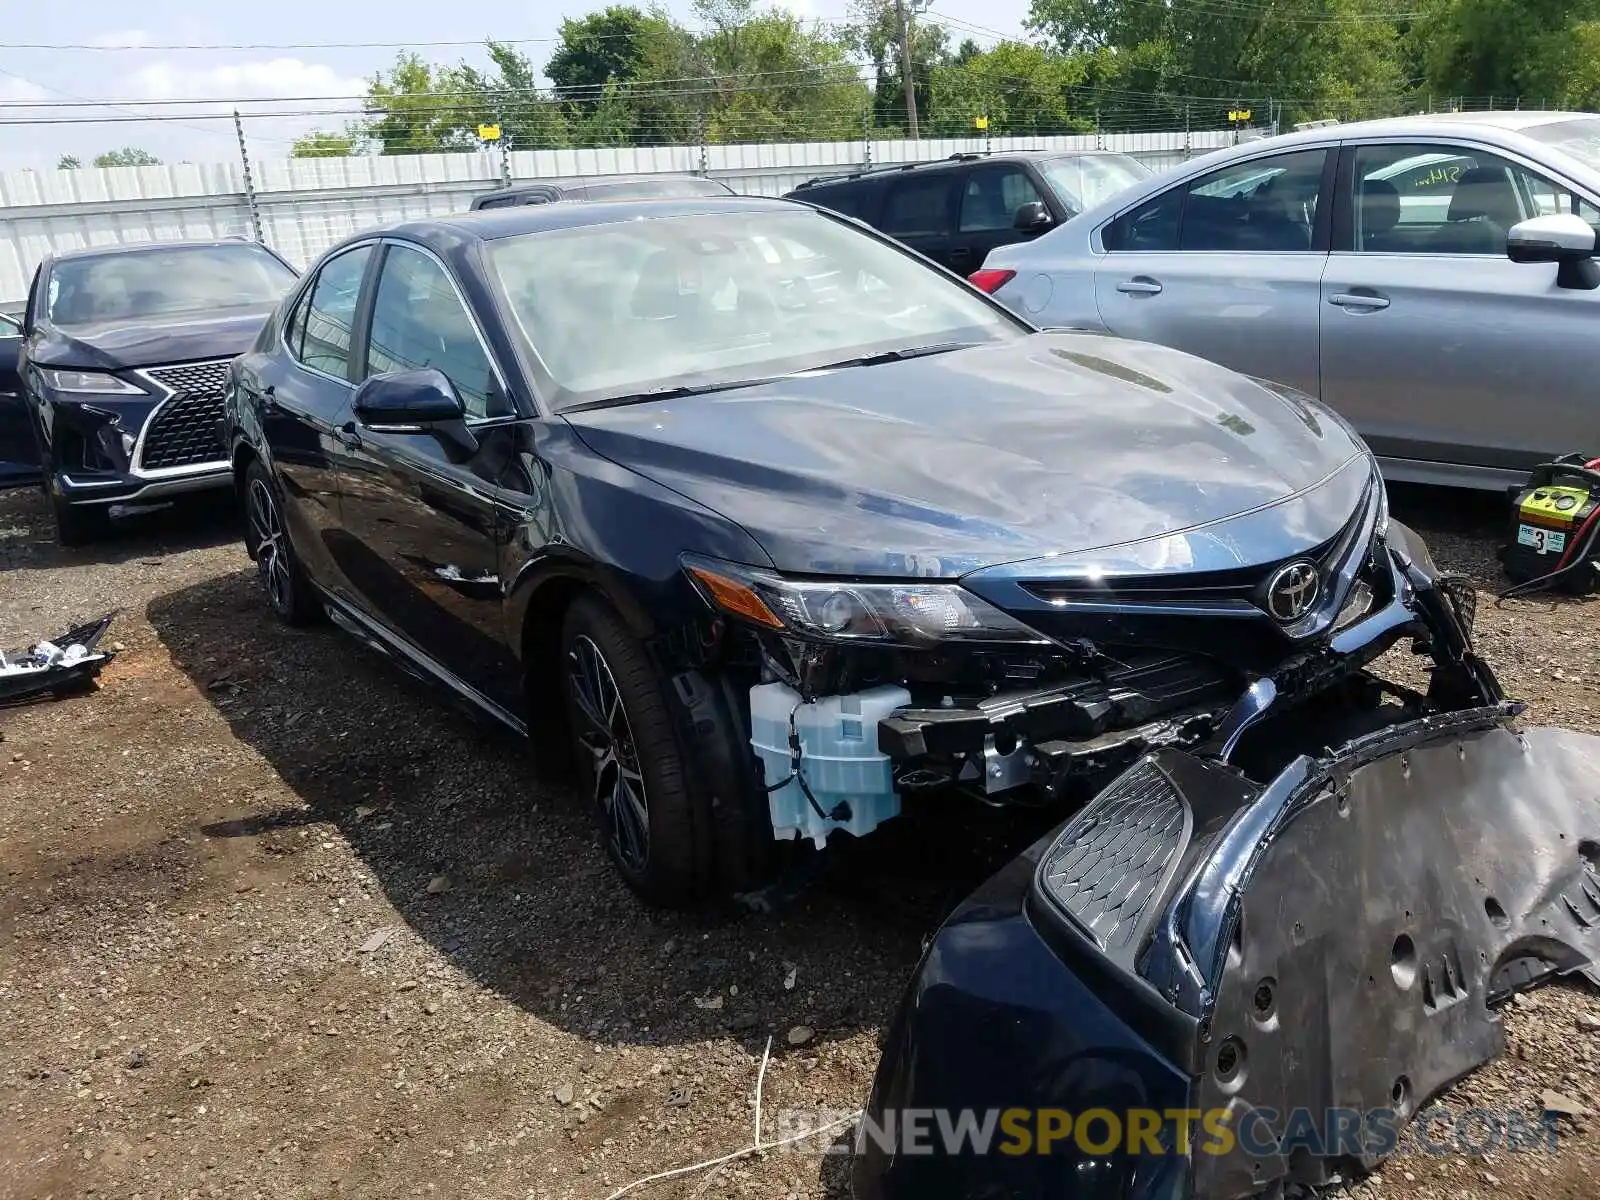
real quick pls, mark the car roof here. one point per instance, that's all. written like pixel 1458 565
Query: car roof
pixel 579 182
pixel 1417 124
pixel 492 224
pixel 146 247
pixel 947 164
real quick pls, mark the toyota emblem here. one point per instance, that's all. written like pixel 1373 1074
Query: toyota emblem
pixel 1292 591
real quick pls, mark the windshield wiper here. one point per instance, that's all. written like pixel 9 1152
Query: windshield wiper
pixel 671 392
pixel 889 356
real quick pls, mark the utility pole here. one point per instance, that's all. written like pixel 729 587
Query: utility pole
pixel 903 12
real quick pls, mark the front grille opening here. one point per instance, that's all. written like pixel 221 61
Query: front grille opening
pixel 183 431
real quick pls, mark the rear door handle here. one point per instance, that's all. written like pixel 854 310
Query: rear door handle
pixel 1356 300
pixel 1140 285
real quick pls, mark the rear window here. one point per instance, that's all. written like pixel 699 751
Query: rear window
pixel 164 282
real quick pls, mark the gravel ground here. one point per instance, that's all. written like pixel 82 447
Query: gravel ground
pixel 277 922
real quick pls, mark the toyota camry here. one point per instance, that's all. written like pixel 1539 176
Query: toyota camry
pixel 770 528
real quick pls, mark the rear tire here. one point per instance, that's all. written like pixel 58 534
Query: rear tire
pixel 289 592
pixel 655 824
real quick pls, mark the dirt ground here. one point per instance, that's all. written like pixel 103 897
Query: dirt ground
pixel 277 922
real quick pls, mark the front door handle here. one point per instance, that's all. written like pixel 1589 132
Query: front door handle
pixel 1359 301
pixel 961 254
pixel 349 436
pixel 1139 285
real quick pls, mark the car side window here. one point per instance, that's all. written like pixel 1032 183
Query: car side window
pixel 1420 198
pixel 918 206
pixel 1152 226
pixel 418 321
pixel 1265 204
pixel 321 332
pixel 991 197
pixel 294 329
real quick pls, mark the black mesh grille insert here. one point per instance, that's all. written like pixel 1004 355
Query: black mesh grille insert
pixel 1109 865
pixel 184 429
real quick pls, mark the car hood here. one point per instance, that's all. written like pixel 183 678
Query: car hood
pixel 1050 445
pixel 113 345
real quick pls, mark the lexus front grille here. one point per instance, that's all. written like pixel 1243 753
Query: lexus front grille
pixel 183 431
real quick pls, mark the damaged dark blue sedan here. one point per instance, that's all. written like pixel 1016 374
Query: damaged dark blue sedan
pixel 772 528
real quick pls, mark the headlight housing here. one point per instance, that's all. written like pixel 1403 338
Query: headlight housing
pixel 87 383
pixel 847 611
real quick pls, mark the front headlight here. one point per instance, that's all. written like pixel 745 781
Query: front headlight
pixel 919 614
pixel 87 383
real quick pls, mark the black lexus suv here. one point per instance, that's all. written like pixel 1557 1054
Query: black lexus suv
pixel 124 359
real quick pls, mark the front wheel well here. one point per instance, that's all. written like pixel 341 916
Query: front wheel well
pixel 243 455
pixel 541 672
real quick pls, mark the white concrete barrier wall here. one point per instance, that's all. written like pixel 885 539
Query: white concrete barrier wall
pixel 306 205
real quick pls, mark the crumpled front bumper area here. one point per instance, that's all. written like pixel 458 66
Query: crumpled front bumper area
pixel 1269 958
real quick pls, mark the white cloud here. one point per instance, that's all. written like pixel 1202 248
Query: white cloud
pixel 277 77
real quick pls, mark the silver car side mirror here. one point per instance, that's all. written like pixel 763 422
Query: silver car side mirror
pixel 1561 238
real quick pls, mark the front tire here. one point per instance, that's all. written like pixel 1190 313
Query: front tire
pixel 655 826
pixel 266 536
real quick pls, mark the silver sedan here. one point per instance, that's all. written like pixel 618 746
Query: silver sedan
pixel 1431 278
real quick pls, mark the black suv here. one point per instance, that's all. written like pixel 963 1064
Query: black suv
pixel 611 187
pixel 957 210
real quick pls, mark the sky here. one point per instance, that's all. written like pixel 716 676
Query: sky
pixel 289 48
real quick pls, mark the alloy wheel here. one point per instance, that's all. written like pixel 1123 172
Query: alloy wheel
pixel 619 791
pixel 271 547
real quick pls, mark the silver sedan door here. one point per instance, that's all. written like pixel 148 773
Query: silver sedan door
pixel 1227 266
pixel 1456 364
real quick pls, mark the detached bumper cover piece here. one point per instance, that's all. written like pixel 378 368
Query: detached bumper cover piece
pixel 60 666
pixel 1335 940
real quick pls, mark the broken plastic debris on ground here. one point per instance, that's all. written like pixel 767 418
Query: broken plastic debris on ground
pixel 58 666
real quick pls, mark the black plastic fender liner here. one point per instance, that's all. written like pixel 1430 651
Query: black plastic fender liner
pixel 1402 887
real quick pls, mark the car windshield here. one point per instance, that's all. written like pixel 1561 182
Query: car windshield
pixel 627 309
pixel 165 282
pixel 1579 139
pixel 1084 180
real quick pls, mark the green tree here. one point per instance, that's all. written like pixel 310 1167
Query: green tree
pixel 1504 48
pixel 128 156
pixel 1020 88
pixel 772 77
pixel 68 162
pixel 611 44
pixel 1305 57
pixel 322 143
pixel 419 109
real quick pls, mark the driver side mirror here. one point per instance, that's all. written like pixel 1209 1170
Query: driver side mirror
pixel 421 401
pixel 1563 239
pixel 1032 217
